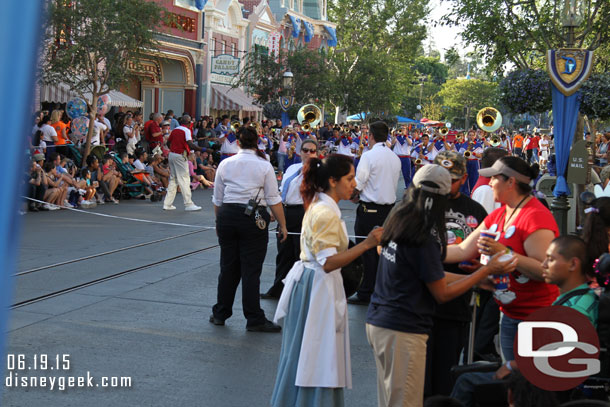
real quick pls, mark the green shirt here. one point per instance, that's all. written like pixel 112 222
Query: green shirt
pixel 586 304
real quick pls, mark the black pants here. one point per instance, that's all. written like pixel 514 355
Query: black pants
pixel 369 215
pixel 36 192
pixel 243 247
pixel 488 325
pixel 445 344
pixel 289 251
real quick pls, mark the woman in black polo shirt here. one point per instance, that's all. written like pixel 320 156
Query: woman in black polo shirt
pixel 410 281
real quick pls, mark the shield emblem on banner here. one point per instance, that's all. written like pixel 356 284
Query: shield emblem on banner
pixel 286 102
pixel 569 68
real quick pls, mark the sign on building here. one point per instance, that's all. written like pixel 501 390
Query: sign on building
pixel 225 69
pixel 274 43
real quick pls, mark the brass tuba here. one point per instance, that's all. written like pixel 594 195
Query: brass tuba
pixel 235 126
pixel 309 116
pixel 495 141
pixel 489 119
pixel 444 131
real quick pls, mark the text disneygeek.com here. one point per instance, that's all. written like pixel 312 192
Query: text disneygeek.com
pixel 23 372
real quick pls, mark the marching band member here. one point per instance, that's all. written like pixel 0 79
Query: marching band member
pixel 423 153
pixel 290 190
pixel 472 151
pixel 360 145
pixel 226 138
pixel 244 186
pixel 402 148
pixel 377 179
pixel 345 145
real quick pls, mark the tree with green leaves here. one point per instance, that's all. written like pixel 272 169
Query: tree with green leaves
pixel 377 44
pixel 520 32
pixel 91 42
pixel 470 95
pixel 263 75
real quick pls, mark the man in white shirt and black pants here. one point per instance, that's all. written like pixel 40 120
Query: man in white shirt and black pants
pixel 377 181
pixel 289 251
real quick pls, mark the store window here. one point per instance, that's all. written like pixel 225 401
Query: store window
pixel 186 3
pixel 233 50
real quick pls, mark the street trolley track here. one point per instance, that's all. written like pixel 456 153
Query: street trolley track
pixel 93 256
pixel 107 278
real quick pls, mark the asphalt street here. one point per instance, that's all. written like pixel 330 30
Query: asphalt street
pixel 151 324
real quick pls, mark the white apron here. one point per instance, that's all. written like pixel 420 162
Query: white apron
pixel 324 360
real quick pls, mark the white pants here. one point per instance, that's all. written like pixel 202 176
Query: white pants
pixel 179 176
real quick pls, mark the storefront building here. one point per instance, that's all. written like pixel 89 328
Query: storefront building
pixel 171 79
pixel 226 35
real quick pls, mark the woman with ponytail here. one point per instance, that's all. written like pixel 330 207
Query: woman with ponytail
pixel 314 364
pixel 410 281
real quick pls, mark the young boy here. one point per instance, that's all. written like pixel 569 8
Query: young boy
pixel 563 266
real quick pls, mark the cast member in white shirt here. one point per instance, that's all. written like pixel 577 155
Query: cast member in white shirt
pixel 244 186
pixel 377 181
pixel 288 251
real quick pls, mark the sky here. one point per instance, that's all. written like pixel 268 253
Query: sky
pixel 444 37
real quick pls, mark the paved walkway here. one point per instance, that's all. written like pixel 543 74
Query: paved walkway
pixel 150 325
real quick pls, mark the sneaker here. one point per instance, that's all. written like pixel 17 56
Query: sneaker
pixel 169 208
pixel 192 208
pixel 101 202
pixel 52 207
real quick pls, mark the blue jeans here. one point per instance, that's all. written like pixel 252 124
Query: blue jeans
pixel 281 160
pixel 508 331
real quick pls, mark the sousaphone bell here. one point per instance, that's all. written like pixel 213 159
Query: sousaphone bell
pixel 309 116
pixel 489 119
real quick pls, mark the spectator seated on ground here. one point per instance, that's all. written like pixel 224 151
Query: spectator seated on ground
pixel 564 267
pixel 205 165
pixel 110 176
pixel 140 174
pixel 85 184
pixel 36 185
pixel 196 179
pixel 103 193
pixel 161 170
pixel 56 193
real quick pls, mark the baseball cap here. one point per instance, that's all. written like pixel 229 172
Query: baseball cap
pixel 453 162
pixel 500 168
pixel 38 157
pixel 435 174
pixel 165 123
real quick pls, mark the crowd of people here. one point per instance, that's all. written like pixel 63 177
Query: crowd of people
pixel 469 216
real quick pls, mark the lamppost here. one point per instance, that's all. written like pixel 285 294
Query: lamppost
pixel 286 96
pixel 571 17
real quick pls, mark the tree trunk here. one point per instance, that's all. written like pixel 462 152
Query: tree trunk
pixel 92 115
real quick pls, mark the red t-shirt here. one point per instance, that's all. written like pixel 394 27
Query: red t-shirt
pixel 178 138
pixel 530 295
pixel 151 127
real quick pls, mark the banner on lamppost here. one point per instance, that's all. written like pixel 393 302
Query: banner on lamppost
pixel 286 102
pixel 568 69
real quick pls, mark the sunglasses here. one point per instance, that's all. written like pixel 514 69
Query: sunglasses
pixel 307 150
